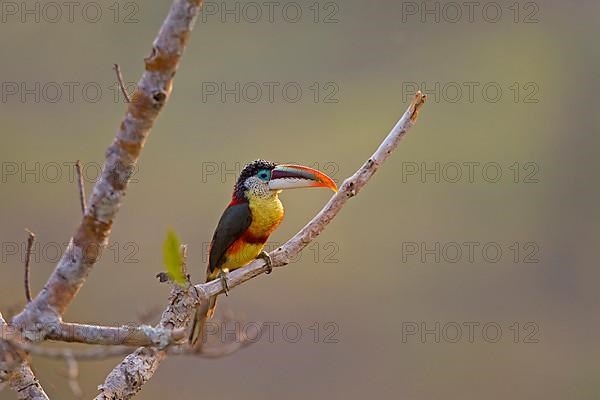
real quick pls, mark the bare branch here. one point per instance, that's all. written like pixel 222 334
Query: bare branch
pixel 30 240
pixel 73 375
pixel 217 350
pixel 16 372
pixel 350 188
pixel 81 186
pixel 91 237
pixel 24 382
pixel 121 84
pixel 214 348
pixel 134 336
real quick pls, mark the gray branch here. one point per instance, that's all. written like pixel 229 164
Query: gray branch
pixel 17 373
pixel 91 237
pixel 85 247
pixel 143 335
pixel 132 336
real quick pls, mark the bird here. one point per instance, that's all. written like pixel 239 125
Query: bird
pixel 253 213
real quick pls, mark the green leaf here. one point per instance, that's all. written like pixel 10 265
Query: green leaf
pixel 172 258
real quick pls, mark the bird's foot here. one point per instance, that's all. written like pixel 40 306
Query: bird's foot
pixel 223 277
pixel 269 262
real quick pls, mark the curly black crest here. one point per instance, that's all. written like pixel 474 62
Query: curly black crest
pixel 249 170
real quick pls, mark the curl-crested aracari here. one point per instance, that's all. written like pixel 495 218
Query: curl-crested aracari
pixel 253 214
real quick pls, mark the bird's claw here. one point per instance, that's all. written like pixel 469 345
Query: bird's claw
pixel 268 261
pixel 223 277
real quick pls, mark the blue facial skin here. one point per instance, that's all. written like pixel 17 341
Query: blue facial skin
pixel 264 174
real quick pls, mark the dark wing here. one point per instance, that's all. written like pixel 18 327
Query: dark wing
pixel 233 223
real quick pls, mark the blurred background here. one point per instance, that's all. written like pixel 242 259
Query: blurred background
pixel 465 269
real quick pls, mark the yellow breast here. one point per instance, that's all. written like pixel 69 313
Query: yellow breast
pixel 267 213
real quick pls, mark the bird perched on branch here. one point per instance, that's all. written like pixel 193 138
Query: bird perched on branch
pixel 253 214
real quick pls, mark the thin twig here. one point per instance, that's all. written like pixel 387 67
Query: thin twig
pixel 121 84
pixel 30 240
pixel 88 354
pixel 214 346
pixel 81 186
pixel 73 374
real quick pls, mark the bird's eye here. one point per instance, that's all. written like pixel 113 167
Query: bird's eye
pixel 263 175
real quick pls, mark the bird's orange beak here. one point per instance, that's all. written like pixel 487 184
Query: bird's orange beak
pixel 288 176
